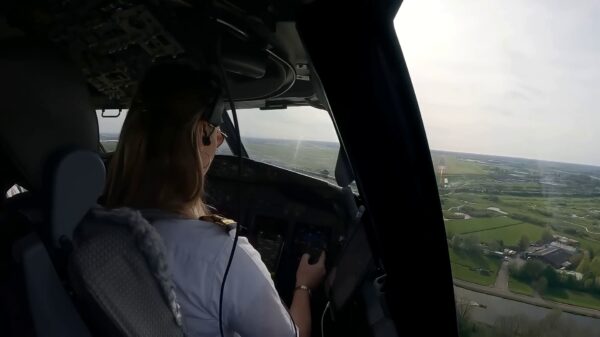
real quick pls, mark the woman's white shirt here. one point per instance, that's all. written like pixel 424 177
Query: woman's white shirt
pixel 198 253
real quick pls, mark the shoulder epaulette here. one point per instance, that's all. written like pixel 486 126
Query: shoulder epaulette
pixel 223 222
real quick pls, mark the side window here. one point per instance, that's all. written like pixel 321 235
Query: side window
pixel 302 139
pixel 224 150
pixel 508 96
pixel 109 125
pixel 14 190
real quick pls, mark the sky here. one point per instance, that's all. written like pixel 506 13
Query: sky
pixel 514 77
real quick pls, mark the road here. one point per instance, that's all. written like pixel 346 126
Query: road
pixel 493 308
pixel 502 278
pixel 506 294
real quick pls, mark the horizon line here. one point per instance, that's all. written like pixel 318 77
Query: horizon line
pixel 518 157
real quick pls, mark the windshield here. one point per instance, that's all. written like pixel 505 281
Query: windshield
pixel 109 126
pixel 302 139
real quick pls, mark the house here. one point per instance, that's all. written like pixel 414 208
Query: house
pixel 565 240
pixel 509 252
pixel 578 276
pixel 554 256
pixel 559 244
pixel 496 253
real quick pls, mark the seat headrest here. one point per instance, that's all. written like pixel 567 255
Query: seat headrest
pixel 44 107
pixel 76 182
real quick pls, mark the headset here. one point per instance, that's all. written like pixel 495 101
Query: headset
pixel 213 114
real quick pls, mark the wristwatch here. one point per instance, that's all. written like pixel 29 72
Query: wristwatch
pixel 303 287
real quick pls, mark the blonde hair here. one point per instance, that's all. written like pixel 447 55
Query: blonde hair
pixel 157 163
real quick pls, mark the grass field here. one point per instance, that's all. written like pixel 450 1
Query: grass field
pixel 450 203
pixel 458 166
pixel 305 155
pixel 478 225
pixel 512 234
pixel 466 268
pixel 467 274
pixel 109 146
pixel 488 230
pixel 573 297
pixel 519 287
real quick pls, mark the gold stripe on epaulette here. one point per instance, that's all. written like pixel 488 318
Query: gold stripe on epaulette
pixel 223 222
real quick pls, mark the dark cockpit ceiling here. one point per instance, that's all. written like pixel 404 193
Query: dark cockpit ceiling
pixel 113 42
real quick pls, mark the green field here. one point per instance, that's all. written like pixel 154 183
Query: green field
pixel 512 234
pixel 466 268
pixel 456 166
pixel 450 203
pixel 467 274
pixel 478 225
pixel 489 230
pixel 309 155
pixel 519 287
pixel 573 297
pixel 536 195
pixel 109 146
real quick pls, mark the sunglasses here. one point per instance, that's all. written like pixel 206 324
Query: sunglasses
pixel 221 136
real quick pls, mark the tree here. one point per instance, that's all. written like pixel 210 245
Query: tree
pixel 547 236
pixel 532 270
pixel 463 313
pixel 551 276
pixel 524 243
pixel 576 259
pixel 495 246
pixel 584 265
pixel 571 231
pixel 588 283
pixel 471 244
pixel 570 282
pixel 513 269
pixel 493 198
pixel 595 266
pixel 457 242
pixel 540 285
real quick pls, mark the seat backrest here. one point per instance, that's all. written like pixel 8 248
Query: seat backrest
pixel 114 282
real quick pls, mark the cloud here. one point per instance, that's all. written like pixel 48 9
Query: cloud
pixel 516 78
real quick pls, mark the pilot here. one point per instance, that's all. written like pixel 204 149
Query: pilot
pixel 165 149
